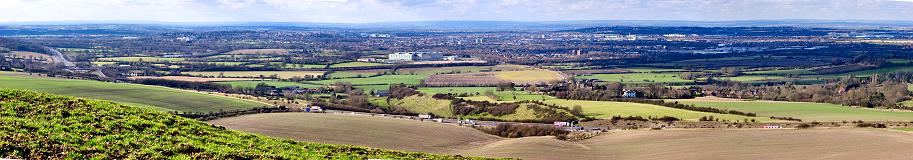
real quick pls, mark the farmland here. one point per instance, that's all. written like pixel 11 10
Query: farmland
pixel 640 78
pixel 193 79
pixel 628 144
pixel 29 55
pixel 258 74
pixel 383 132
pixel 605 110
pixel 385 79
pixel 148 96
pixel 357 64
pixel 44 126
pixel 492 78
pixel 710 144
pixel 139 59
pixel 259 51
pixel 252 84
pixel 803 110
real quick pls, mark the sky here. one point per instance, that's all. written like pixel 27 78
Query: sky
pixel 365 11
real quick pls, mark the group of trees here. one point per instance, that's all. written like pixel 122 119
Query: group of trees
pixel 615 90
pixel 884 91
pixel 516 131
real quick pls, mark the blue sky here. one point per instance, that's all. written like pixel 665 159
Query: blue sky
pixel 358 11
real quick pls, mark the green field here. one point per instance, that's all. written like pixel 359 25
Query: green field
pixel 303 66
pixel 904 129
pixel 144 59
pixel 797 71
pixel 257 74
pixel 252 84
pixel 751 78
pixel 806 111
pixel 385 79
pixel 161 98
pixel 357 64
pixel 603 109
pixel 510 96
pixel 424 105
pixel 640 78
pixel 649 69
pixel 353 74
pixel 44 126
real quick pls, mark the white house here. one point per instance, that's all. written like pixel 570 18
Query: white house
pixel 629 94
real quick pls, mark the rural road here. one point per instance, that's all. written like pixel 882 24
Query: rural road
pixel 58 57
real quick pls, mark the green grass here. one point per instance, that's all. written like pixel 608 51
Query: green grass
pixel 304 66
pixel 144 59
pixel 44 126
pixel 524 112
pixel 257 74
pixel 866 73
pixel 350 74
pixel 509 96
pixel 252 84
pixel 357 64
pixel 369 88
pixel 904 129
pixel 900 61
pixel 797 71
pixel 605 110
pixel 649 69
pixel 424 105
pixel 161 98
pixel 640 78
pixel 807 111
pixel 751 78
pixel 385 79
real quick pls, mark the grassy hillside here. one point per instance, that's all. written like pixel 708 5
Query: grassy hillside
pixel 142 95
pixel 603 109
pixel 44 126
pixel 805 111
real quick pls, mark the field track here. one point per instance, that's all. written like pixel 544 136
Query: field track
pixel 630 144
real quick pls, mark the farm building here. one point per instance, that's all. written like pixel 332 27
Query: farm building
pixel 381 93
pixel 629 94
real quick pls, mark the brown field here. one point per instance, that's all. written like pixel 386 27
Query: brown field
pixel 30 55
pixel 465 79
pixel 713 144
pixel 527 76
pixel 360 130
pixel 854 143
pixel 193 79
pixel 259 51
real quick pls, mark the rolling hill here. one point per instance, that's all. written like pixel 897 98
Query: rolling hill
pixel 37 125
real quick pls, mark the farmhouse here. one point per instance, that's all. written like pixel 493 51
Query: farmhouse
pixel 629 94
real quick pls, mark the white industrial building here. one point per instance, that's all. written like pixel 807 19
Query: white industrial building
pixel 415 56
